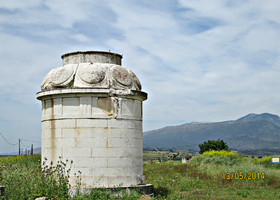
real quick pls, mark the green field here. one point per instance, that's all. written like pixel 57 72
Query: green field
pixel 201 178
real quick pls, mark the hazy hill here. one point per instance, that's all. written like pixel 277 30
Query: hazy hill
pixel 251 132
pixel 35 151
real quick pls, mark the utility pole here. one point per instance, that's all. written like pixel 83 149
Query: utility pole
pixel 31 149
pixel 18 146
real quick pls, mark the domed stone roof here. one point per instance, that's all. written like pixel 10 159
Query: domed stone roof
pixel 91 69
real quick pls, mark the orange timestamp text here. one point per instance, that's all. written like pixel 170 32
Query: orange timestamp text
pixel 243 175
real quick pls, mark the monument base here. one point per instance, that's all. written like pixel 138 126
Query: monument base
pixel 147 189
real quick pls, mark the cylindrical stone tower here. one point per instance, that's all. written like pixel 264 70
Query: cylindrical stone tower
pixel 92 114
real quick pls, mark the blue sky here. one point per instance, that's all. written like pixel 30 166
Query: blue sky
pixel 197 60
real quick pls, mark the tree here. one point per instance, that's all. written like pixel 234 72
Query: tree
pixel 216 145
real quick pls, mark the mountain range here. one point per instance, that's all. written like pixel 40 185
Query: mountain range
pixel 251 132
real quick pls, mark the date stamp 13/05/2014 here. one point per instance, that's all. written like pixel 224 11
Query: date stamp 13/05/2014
pixel 249 175
pixel 243 175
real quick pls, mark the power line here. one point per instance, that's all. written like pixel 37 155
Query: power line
pixel 31 141
pixel 24 144
pixel 8 141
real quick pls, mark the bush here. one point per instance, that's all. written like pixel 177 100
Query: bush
pixel 223 157
pixel 213 145
pixel 221 153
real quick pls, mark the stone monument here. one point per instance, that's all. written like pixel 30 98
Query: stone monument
pixel 92 114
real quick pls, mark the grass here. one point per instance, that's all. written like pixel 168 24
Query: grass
pixel 200 178
pixel 24 178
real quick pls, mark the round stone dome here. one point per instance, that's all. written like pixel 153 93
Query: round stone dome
pixel 91 69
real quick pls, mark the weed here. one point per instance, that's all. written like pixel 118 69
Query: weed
pixel 26 179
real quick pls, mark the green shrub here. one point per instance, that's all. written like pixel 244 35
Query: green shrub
pixel 222 153
pixel 216 157
pixel 216 145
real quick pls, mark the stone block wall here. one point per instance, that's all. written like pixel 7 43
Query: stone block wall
pixel 102 134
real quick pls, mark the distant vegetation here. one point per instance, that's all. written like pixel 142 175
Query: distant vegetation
pixel 165 155
pixel 203 177
pixel 216 145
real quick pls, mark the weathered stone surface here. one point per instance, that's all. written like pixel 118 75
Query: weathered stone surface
pixel 147 190
pixel 109 106
pixel 60 77
pixel 121 75
pixel 92 114
pixel 81 70
pixel 91 57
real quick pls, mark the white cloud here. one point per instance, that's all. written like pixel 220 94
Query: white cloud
pixel 222 63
